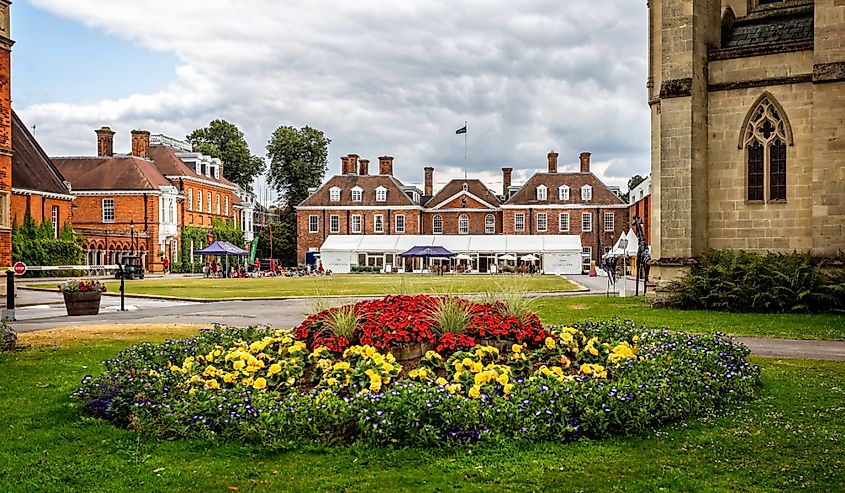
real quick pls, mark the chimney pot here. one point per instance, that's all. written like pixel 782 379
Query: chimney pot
pixel 344 165
pixel 429 181
pixel 105 142
pixel 140 143
pixel 585 162
pixel 353 164
pixel 364 167
pixel 385 165
pixel 553 162
pixel 506 180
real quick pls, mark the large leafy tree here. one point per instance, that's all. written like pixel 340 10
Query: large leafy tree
pixel 224 140
pixel 632 184
pixel 298 161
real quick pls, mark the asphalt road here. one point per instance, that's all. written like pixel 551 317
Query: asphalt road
pixel 39 310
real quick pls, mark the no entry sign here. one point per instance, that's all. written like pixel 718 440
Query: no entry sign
pixel 19 268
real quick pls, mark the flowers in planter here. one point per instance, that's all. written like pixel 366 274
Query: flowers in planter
pixel 82 286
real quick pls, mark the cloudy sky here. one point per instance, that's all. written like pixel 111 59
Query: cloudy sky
pixel 377 77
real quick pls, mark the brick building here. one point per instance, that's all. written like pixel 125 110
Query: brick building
pixel 6 151
pixel 577 203
pixel 639 200
pixel 357 203
pixel 37 186
pixel 137 204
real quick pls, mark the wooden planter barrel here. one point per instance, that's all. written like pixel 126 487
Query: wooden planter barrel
pixel 82 303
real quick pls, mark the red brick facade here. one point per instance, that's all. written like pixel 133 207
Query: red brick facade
pixel 5 147
pixel 642 209
pixel 464 206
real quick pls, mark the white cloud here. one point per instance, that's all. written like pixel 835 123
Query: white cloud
pixel 385 78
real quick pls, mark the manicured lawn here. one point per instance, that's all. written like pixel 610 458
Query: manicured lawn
pixel 790 326
pixel 789 439
pixel 338 285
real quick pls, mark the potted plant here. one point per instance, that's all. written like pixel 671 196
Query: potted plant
pixel 82 297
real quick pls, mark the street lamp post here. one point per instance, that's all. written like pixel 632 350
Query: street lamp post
pixel 623 244
pixel 132 235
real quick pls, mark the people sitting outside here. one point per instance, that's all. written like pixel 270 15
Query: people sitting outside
pixel 206 270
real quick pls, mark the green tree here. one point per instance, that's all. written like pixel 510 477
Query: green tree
pixel 298 161
pixel 224 140
pixel 632 184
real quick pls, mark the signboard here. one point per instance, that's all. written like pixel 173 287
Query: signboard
pixel 19 268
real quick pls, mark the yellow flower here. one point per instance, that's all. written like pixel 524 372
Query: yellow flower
pixel 635 338
pixel 441 381
pixel 192 391
pixel 230 377
pixel 566 337
pixel 459 368
pixel 212 384
pixel 413 373
pixel 479 352
pixel 477 367
pixel 433 355
pixel 341 365
pixel 259 383
pixel 503 379
pixel 507 388
pixel 274 368
pixel 475 392
pixel 331 382
pixel 453 388
pixel 375 385
pixel 550 343
pixel 516 348
pixel 175 368
pixel 239 365
pixel 587 369
pixel 388 367
pixel 592 350
pixel 153 373
pixel 467 362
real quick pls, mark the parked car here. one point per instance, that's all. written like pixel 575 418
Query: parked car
pixel 132 267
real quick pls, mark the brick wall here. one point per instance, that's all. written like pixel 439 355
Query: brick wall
pixel 40 208
pixel 642 209
pixel 451 221
pixel 193 216
pixel 5 153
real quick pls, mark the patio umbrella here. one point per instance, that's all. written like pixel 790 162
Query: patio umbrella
pixel 463 256
pixel 530 258
pixel 507 257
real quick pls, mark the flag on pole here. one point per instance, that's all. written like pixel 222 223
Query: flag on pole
pixel 461 130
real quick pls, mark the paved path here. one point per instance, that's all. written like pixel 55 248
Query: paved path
pixel 39 310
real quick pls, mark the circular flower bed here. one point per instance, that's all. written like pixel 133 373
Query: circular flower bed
pixel 281 389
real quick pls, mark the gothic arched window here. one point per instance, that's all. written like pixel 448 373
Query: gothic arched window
pixel 764 138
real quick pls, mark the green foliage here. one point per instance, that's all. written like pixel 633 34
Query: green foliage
pixel 750 282
pixel 343 321
pixel 298 161
pixel 365 269
pixel 450 315
pixel 222 230
pixel 35 244
pixel 284 241
pixel 224 140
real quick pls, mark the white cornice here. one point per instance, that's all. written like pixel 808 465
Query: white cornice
pixel 49 195
pixel 565 206
pixel 443 211
pixel 463 192
pixel 115 192
pixel 203 181
pixel 359 207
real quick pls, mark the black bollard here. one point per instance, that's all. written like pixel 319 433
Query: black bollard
pixel 10 290
pixel 122 286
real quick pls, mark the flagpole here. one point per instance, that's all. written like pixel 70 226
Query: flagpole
pixel 465 151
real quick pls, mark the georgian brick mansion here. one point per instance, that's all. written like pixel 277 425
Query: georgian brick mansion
pixel 356 202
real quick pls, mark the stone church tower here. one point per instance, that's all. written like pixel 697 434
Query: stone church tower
pixel 747 102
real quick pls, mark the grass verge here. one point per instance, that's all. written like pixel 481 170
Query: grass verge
pixel 789 439
pixel 789 326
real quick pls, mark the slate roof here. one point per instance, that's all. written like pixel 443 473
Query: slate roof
pixel 368 183
pixel 32 169
pixel 769 30
pixel 169 164
pixel 474 186
pixel 527 195
pixel 110 173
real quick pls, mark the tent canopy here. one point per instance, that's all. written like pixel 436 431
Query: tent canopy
pixel 481 244
pixel 427 251
pixel 222 248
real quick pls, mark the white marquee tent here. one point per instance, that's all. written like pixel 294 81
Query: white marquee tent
pixel 558 254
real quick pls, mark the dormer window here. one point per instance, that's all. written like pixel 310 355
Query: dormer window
pixel 381 194
pixel 357 194
pixel 563 192
pixel 586 193
pixel 542 193
pixel 334 194
pixel 466 187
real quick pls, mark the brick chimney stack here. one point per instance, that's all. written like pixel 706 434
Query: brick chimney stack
pixel 353 164
pixel 385 165
pixel 140 143
pixel 553 162
pixel 506 181
pixel 585 162
pixel 344 165
pixel 105 142
pixel 429 181
pixel 364 167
